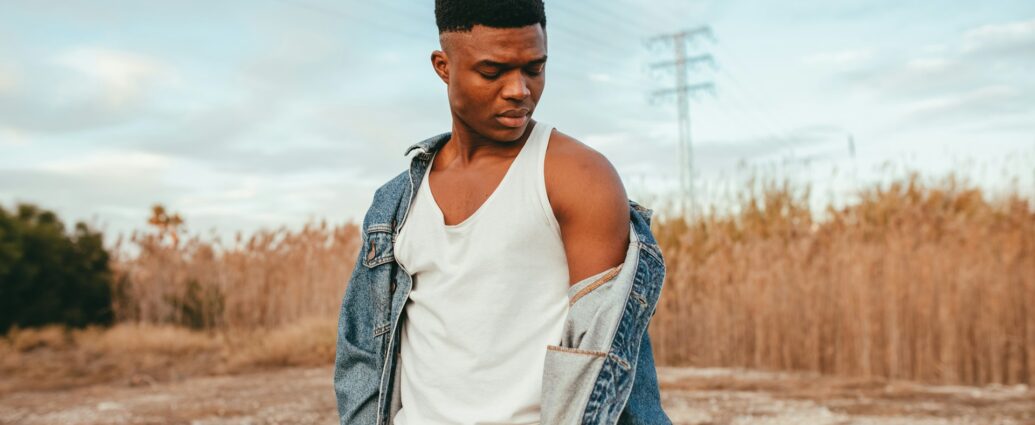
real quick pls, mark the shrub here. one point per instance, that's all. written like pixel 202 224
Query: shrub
pixel 48 276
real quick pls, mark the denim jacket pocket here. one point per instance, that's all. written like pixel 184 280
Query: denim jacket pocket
pixel 378 247
pixel 566 393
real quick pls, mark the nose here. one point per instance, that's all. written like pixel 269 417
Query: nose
pixel 516 88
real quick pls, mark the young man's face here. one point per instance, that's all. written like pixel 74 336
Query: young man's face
pixel 495 77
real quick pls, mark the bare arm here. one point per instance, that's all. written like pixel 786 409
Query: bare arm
pixel 590 204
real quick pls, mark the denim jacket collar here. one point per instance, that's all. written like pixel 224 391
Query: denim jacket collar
pixel 430 144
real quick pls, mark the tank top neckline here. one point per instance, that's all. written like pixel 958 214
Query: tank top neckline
pixel 426 184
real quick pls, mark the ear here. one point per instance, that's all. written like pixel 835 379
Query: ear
pixel 440 62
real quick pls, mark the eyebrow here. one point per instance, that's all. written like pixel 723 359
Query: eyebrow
pixel 486 62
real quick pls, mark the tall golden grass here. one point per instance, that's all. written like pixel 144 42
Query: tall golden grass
pixel 929 282
pixel 932 282
pixel 272 278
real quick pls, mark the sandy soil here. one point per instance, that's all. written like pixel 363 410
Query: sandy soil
pixel 690 396
pixel 738 397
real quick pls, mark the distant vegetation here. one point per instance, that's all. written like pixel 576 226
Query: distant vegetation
pixel 928 281
pixel 49 275
pixel 273 277
pixel 931 282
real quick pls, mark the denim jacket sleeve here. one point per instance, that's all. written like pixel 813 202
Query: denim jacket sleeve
pixel 602 371
pixel 644 405
pixel 362 320
pixel 356 361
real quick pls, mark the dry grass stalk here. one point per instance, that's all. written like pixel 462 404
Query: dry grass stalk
pixel 928 282
pixel 273 278
pixel 923 282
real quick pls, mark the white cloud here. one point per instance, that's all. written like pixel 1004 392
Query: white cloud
pixel 926 65
pixel 937 48
pixel 8 79
pixel 952 109
pixel 990 60
pixel 10 136
pixel 841 59
pixel 955 100
pixel 77 88
pixel 1006 35
pixel 122 74
pixel 111 164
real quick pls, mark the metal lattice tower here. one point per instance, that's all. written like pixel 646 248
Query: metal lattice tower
pixel 683 91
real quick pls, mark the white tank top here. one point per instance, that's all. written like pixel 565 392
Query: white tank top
pixel 489 294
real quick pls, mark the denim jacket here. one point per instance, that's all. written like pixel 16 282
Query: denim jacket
pixel 602 371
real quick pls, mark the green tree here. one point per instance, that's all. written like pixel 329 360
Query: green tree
pixel 48 275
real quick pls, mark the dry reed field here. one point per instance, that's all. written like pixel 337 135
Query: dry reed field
pixel 273 278
pixel 926 282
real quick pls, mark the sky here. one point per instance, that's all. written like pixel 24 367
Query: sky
pixel 243 115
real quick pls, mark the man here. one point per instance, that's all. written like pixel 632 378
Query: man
pixel 526 288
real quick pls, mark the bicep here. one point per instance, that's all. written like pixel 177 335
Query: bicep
pixel 592 211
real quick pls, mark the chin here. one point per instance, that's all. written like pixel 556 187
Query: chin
pixel 513 134
pixel 509 134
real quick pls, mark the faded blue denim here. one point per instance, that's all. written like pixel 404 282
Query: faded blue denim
pixel 601 373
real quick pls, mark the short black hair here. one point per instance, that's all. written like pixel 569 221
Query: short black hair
pixel 461 15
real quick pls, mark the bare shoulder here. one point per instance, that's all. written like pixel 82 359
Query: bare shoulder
pixel 579 177
pixel 590 203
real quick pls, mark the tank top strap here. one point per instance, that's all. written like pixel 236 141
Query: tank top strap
pixel 538 173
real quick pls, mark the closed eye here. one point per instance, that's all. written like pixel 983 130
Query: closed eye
pixel 536 69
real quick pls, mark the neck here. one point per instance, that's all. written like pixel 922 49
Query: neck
pixel 465 144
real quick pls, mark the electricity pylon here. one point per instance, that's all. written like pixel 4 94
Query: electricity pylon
pixel 683 91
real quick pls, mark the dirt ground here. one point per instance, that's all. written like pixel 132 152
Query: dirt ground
pixel 690 396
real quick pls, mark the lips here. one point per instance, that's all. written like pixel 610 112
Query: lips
pixel 513 118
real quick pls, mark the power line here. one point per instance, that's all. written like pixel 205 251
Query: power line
pixel 683 90
pixel 353 16
pixel 591 48
pixel 597 23
pixel 632 31
pixel 400 30
pixel 414 16
pixel 756 113
pixel 744 103
pixel 628 18
pixel 766 118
